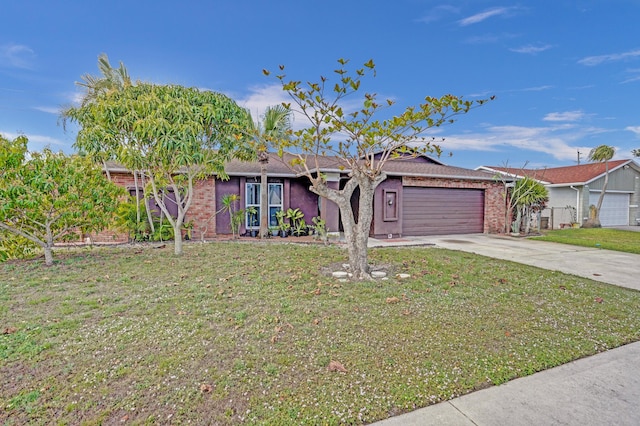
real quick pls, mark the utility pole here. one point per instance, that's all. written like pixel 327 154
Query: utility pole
pixel 578 151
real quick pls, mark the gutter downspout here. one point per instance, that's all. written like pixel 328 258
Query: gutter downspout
pixel 578 206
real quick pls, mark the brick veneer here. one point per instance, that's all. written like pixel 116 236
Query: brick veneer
pixel 201 212
pixel 494 201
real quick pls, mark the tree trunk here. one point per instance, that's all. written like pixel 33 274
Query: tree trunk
pixel 356 233
pixel 152 227
pixel 264 200
pixel 106 170
pixel 177 239
pixel 135 182
pixel 594 222
pixel 48 255
pixel 48 246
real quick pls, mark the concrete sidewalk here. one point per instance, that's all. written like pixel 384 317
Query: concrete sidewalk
pixel 598 390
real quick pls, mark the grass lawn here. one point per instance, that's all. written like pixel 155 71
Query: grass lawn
pixel 235 333
pixel 610 239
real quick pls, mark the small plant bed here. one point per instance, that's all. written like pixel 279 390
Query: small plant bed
pixel 610 239
pixel 232 333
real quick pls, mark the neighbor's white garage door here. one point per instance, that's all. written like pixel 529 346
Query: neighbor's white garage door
pixel 615 208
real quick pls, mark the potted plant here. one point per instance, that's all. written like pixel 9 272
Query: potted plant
pixel 187 230
pixel 320 229
pixel 235 216
pixel 300 228
pixel 252 221
pixel 283 226
pixel 296 219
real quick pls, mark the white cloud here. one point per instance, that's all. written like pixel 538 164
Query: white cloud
pixel 17 56
pixel 48 110
pixel 479 17
pixel 35 139
pixel 531 50
pixel 635 75
pixel 634 129
pixel 536 88
pixel 438 13
pixel 556 141
pixel 597 60
pixel 564 116
pixel 261 97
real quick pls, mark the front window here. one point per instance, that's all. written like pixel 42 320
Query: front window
pixel 252 204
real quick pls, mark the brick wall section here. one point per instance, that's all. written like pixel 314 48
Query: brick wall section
pixel 494 202
pixel 201 212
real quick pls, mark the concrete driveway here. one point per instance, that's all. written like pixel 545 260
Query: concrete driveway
pixel 608 266
pixel 597 390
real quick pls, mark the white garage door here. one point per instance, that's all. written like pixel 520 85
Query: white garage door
pixel 615 208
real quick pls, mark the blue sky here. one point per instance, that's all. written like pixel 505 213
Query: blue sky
pixel 566 74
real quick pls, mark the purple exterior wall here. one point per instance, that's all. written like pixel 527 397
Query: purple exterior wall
pixel 301 198
pixel 224 187
pixel 330 212
pixel 387 209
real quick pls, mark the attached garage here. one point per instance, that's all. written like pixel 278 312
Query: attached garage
pixel 439 211
pixel 615 208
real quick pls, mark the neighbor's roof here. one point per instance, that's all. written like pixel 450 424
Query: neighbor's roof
pixel 579 174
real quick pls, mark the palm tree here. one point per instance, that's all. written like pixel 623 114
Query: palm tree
pixel 111 80
pixel 275 124
pixel 527 195
pixel 602 153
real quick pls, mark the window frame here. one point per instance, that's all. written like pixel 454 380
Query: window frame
pixel 272 219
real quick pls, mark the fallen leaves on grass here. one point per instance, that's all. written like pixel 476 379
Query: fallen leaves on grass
pixel 9 330
pixel 205 388
pixel 599 299
pixel 336 366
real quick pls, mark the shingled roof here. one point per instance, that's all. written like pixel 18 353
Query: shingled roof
pixel 280 167
pixel 579 174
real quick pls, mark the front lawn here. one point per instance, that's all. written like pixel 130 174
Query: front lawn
pixel 606 238
pixel 234 333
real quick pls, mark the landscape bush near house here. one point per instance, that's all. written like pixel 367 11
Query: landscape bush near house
pixel 283 226
pixel 296 219
pixel 49 197
pixel 14 246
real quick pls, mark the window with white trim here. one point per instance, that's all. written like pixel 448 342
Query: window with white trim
pixel 252 202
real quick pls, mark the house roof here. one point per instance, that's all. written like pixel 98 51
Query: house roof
pixel 281 167
pixel 579 174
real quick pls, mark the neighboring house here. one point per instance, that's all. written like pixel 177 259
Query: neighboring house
pixel 421 196
pixel 578 187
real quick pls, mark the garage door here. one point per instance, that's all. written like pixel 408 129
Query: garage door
pixel 438 211
pixel 615 208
